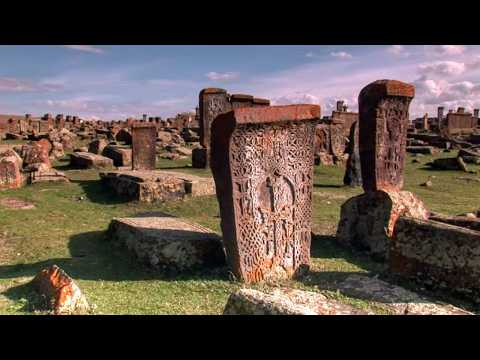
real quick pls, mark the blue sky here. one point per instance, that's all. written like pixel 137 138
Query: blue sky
pixel 114 82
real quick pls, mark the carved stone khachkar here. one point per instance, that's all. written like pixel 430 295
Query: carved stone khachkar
pixel 367 221
pixel 262 162
pixel 212 102
pixel 144 136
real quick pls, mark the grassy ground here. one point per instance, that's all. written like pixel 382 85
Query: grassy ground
pixel 69 220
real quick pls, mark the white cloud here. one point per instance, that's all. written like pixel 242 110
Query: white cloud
pixel 341 55
pixel 86 48
pixel 442 68
pixel 398 50
pixel 226 76
pixel 446 50
pixel 295 98
pixel 310 54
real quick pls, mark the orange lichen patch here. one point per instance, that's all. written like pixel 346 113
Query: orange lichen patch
pixel 63 295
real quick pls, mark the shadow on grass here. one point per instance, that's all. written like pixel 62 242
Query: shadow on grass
pixel 99 193
pixel 94 257
pixel 334 186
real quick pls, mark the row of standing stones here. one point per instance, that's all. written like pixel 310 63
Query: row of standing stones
pixel 262 161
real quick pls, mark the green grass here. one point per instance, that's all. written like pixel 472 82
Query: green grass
pixel 70 232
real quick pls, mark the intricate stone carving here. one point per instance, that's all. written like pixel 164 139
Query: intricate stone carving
pixel 383 108
pixel 262 161
pixel 144 136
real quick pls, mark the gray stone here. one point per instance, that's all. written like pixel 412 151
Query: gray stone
pixel 168 242
pixel 85 160
pixel 283 301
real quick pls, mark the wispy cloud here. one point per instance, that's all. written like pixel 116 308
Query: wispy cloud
pixel 398 50
pixel 86 48
pixel 226 76
pixel 18 85
pixel 341 55
pixel 445 50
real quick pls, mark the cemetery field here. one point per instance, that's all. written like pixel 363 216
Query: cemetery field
pixel 67 228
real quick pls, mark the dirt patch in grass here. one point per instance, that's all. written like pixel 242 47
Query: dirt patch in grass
pixel 13 203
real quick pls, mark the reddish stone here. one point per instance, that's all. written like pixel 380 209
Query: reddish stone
pixel 383 122
pixel 45 144
pixel 262 162
pixel 10 166
pixel 61 292
pixel 212 102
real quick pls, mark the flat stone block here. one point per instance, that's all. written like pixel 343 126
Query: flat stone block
pixel 168 242
pixel 85 160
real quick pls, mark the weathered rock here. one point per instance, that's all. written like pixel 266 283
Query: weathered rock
pixel 322 158
pixel 469 222
pixel 35 157
pixel 437 255
pixel 61 292
pixel 97 146
pixel 428 183
pixel 164 137
pixel 399 300
pixel 57 150
pixel 120 155
pixel 10 170
pixel 367 221
pixel 50 175
pixel 169 156
pixel 85 160
pixel 265 200
pixel 125 136
pixel 168 242
pixel 284 301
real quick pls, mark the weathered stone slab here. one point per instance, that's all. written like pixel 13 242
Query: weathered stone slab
pixel 262 162
pixel 62 294
pixel 85 160
pixel 50 175
pixel 383 121
pixel 144 137
pixel 367 221
pixel 284 301
pixel 438 255
pixel 449 164
pixel 399 300
pixel 427 150
pixel 168 242
pixel 158 185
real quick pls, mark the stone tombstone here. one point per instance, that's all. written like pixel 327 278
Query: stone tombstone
pixel 144 136
pixel 212 102
pixel 383 121
pixel 353 171
pixel 262 163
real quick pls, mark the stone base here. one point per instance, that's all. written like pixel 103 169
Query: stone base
pixel 168 242
pixel 285 302
pixel 367 221
pixel 437 255
pixel 157 185
pixel 85 160
pixel 200 158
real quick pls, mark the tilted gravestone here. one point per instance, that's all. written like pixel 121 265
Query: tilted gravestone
pixel 367 221
pixel 353 171
pixel 144 136
pixel 262 162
